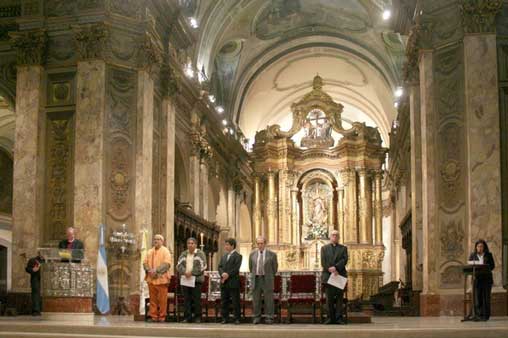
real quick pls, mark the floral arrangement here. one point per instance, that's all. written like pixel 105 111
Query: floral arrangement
pixel 317 232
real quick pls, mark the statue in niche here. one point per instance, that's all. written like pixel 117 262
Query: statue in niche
pixel 317 197
pixel 317 131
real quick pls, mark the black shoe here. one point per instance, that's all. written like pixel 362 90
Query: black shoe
pixel 340 322
pixel 237 322
pixel 269 321
pixel 256 321
pixel 187 320
pixel 224 321
pixel 148 320
pixel 197 320
pixel 329 322
pixel 36 314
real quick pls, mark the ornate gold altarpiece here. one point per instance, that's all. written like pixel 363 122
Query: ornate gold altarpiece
pixel 303 192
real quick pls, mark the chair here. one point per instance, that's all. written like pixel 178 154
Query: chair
pixel 302 291
pixel 323 307
pixel 172 291
pixel 277 296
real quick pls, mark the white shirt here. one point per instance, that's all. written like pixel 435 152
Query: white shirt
pixel 189 262
pixel 229 254
pixel 260 270
pixel 481 258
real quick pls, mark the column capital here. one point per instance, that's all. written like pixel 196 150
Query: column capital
pixel 170 81
pixel 90 40
pixel 31 46
pixel 478 16
pixel 149 54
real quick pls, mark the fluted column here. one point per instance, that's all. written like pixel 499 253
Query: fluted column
pixel 257 207
pixel 194 181
pixel 365 204
pixel 378 208
pixel 270 209
pixel 295 234
pixel 203 185
pixel 340 213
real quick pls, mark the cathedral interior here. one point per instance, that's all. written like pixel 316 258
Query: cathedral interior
pixel 386 120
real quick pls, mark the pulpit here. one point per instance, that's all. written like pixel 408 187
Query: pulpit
pixel 67 285
pixel 473 270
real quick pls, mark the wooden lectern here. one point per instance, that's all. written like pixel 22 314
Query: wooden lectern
pixel 473 270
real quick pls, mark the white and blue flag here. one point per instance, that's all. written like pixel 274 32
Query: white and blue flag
pixel 102 292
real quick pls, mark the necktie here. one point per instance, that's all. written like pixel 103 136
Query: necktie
pixel 261 265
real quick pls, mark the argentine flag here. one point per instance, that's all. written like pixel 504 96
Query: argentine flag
pixel 102 292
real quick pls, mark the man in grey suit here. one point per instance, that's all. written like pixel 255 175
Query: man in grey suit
pixel 263 266
pixel 333 260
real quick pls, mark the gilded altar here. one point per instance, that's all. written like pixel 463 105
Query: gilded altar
pixel 328 179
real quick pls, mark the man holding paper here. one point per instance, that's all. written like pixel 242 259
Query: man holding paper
pixel 156 265
pixel 191 267
pixel 334 276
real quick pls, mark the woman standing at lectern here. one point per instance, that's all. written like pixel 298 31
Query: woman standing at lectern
pixel 484 281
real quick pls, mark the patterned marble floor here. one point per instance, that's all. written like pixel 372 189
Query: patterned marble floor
pixel 385 327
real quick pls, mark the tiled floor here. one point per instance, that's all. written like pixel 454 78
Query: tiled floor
pixel 385 327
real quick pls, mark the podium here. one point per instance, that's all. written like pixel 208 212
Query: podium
pixel 473 270
pixel 67 285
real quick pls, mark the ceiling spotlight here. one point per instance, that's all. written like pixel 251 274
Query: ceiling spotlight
pixel 225 122
pixel 231 131
pixel 219 109
pixel 396 104
pixel 211 98
pixel 399 91
pixel 193 22
pixel 387 14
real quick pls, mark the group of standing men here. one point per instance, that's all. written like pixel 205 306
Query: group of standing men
pixel 263 267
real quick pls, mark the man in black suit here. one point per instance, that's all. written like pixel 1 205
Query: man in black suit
pixel 71 243
pixel 333 260
pixel 229 270
pixel 33 267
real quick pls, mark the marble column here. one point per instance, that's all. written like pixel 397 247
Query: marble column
pixel 483 144
pixel 416 185
pixel 144 153
pixel 378 208
pixel 203 184
pixel 295 226
pixel 194 181
pixel 257 208
pixel 89 185
pixel 28 176
pixel 271 231
pixel 340 213
pixel 232 212
pixel 167 104
pixel 430 229
pixel 365 203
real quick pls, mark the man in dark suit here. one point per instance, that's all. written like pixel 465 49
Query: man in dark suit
pixel 229 270
pixel 33 268
pixel 333 260
pixel 263 266
pixel 71 243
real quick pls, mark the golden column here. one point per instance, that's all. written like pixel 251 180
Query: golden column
pixel 378 208
pixel 350 218
pixel 271 207
pixel 365 204
pixel 340 213
pixel 257 207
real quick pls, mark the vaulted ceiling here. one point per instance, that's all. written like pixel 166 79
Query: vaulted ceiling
pixel 261 56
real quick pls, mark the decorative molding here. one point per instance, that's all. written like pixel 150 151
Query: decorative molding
pixel 90 40
pixel 479 16
pixel 31 46
pixel 149 54
pixel 170 81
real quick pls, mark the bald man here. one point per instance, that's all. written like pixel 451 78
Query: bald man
pixel 156 264
pixel 71 243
